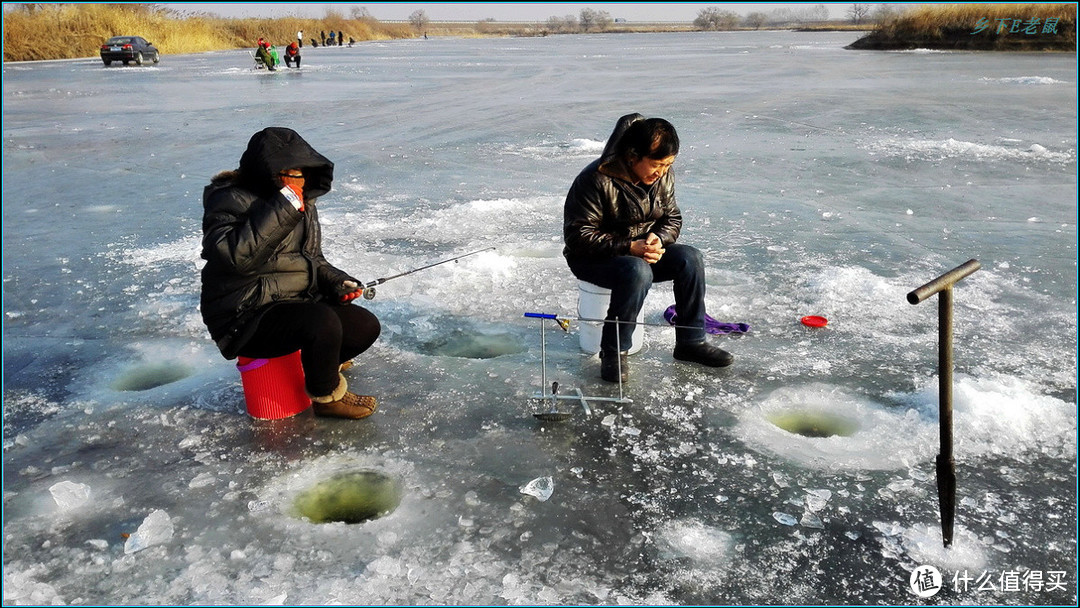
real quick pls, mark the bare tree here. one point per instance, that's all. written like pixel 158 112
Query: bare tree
pixel 816 13
pixel 858 12
pixel 359 13
pixel 568 23
pixel 712 18
pixel 755 20
pixel 603 21
pixel 419 20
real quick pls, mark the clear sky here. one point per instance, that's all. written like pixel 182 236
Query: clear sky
pixel 500 11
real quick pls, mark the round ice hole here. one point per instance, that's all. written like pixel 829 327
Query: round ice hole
pixel 809 423
pixel 474 345
pixel 351 498
pixel 146 377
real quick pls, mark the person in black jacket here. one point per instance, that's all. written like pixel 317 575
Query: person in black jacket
pixel 620 226
pixel 267 290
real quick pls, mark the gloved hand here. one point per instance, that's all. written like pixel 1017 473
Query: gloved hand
pixel 294 193
pixel 349 291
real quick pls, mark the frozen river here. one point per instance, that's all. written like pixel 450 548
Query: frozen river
pixel 816 180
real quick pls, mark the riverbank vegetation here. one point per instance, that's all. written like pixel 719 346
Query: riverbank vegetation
pixel 68 31
pixel 35 31
pixel 976 27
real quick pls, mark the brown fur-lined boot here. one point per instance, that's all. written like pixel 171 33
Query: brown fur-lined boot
pixel 343 404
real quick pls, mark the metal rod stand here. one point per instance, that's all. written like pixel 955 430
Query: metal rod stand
pixel 945 465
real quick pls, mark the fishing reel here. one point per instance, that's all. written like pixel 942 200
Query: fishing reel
pixel 369 293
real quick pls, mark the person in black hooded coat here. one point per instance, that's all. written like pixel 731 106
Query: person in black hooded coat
pixel 267 290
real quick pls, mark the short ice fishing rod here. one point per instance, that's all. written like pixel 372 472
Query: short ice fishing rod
pixel 368 289
pixel 564 322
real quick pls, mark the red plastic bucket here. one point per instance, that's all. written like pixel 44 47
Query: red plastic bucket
pixel 273 388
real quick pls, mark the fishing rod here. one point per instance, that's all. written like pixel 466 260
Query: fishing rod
pixel 564 322
pixel 368 289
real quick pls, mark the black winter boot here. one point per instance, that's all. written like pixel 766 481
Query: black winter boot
pixel 703 353
pixel 614 366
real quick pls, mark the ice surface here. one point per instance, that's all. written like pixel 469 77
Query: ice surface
pixel 814 180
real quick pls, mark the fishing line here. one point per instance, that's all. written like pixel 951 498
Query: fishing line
pixel 368 289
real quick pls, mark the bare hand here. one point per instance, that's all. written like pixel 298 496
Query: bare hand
pixel 649 249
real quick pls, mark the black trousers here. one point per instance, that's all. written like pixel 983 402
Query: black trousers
pixel 629 278
pixel 325 334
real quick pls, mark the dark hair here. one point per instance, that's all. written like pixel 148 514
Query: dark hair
pixel 653 138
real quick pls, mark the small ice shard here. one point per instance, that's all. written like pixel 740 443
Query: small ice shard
pixel 817 499
pixel 157 528
pixel 809 520
pixel 256 506
pixel 541 488
pixel 780 479
pixel 784 518
pixel 70 495
pixel 202 480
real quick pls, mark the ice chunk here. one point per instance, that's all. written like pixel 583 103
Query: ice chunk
pixel 541 488
pixel 784 518
pixel 809 520
pixel 70 495
pixel 817 499
pixel 157 528
pixel 780 479
pixel 202 480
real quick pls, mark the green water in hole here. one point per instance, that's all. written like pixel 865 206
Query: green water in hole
pixel 809 423
pixel 352 498
pixel 146 377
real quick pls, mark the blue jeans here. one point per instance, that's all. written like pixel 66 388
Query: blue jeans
pixel 629 279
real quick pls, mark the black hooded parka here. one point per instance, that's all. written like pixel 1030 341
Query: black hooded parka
pixel 259 249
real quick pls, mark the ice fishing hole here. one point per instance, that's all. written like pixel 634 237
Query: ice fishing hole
pixel 352 498
pixel 808 423
pixel 473 345
pixel 146 377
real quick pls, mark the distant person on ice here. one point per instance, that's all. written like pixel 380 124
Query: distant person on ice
pixel 292 55
pixel 267 290
pixel 620 226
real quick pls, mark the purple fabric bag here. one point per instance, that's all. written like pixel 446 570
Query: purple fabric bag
pixel 712 326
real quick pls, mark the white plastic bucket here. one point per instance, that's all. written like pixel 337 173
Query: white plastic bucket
pixel 593 303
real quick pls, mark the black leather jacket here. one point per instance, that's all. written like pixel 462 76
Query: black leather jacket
pixel 259 249
pixel 605 210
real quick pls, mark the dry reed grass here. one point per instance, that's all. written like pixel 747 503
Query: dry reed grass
pixel 955 25
pixel 68 31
